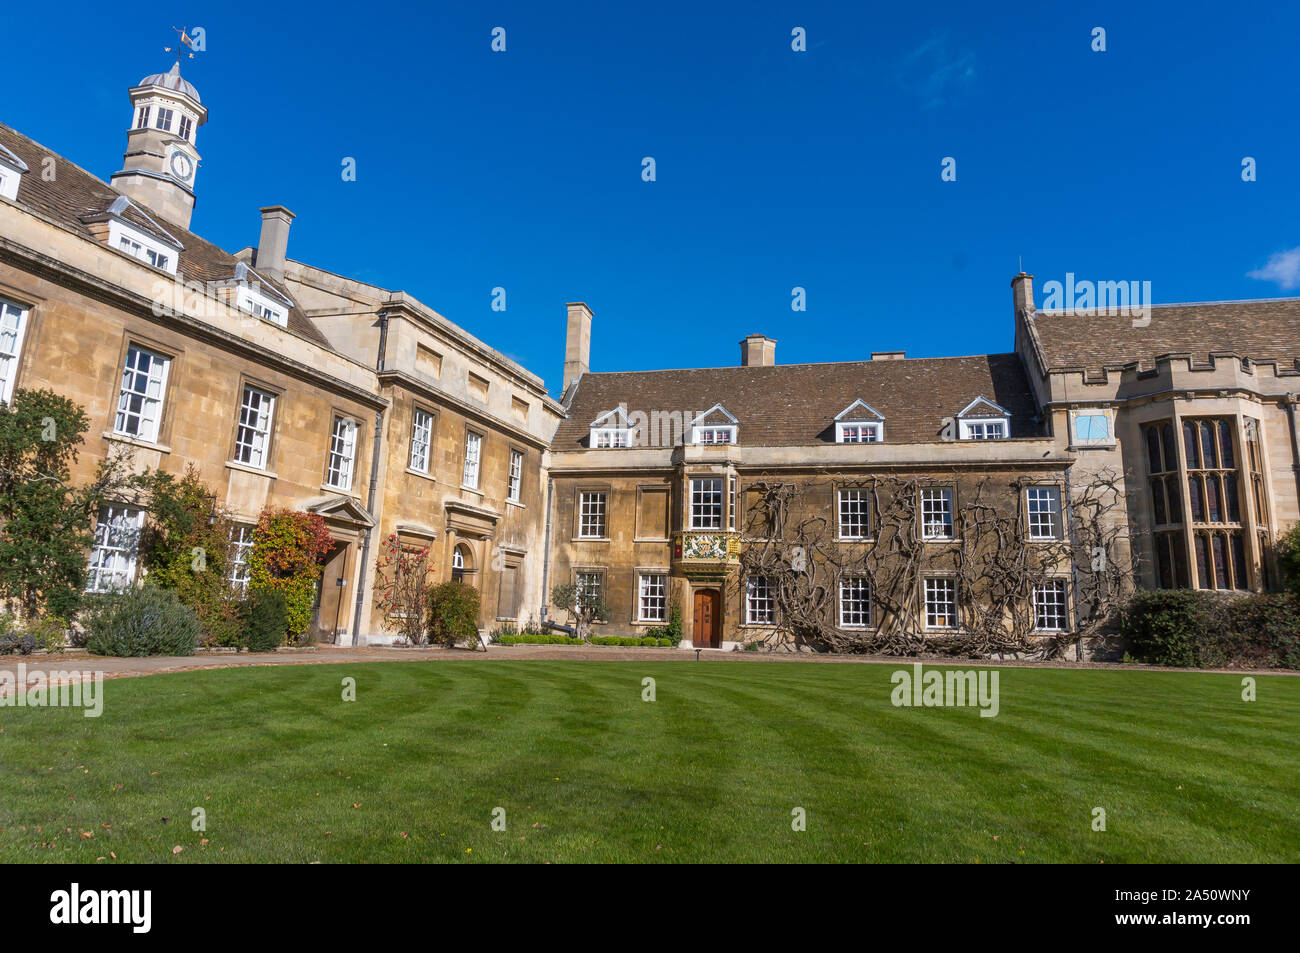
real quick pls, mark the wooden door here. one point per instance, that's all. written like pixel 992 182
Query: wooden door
pixel 707 633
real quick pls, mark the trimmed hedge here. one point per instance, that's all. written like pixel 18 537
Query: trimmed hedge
pixel 648 641
pixel 144 621
pixel 538 640
pixel 1192 628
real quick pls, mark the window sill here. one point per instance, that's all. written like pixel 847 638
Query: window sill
pixel 589 539
pixel 338 489
pixel 471 489
pixel 422 475
pixel 248 468
pixel 857 539
pixel 136 442
pixel 651 539
pixel 510 502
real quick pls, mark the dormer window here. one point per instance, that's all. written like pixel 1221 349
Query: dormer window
pixel 715 427
pixel 983 420
pixel 255 302
pixel 715 435
pixel 612 430
pixel 11 170
pixel 859 423
pixel 141 245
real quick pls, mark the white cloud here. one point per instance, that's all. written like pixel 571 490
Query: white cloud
pixel 1283 268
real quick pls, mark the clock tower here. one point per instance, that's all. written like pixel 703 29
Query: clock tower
pixel 161 160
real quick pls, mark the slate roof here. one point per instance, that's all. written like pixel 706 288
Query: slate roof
pixel 1264 331
pixel 790 405
pixel 75 196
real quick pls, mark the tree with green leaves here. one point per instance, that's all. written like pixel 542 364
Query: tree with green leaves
pixel 584 603
pixel 46 523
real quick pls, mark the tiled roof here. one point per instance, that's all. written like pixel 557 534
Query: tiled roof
pixel 76 195
pixel 790 405
pixel 1263 331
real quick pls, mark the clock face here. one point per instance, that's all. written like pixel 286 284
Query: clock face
pixel 181 166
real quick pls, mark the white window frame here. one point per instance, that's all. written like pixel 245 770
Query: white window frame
pixel 184 127
pixel 342 454
pixel 587 580
pixel 760 603
pixel 421 440
pixel 116 548
pixel 731 502
pixel 13 326
pixel 702 503
pixel 846 496
pixel 253 434
pixel 1087 412
pixel 470 472
pixel 1035 496
pixel 1057 609
pixel 148 415
pixel 607 438
pixel 946 495
pixel 143 247
pixel 710 435
pixel 652 597
pixel 859 431
pixel 264 306
pixel 593 514
pixel 515 476
pixel 984 428
pixel 164 113
pixel 940 601
pixel 855 602
pixel 142 116
pixel 241 543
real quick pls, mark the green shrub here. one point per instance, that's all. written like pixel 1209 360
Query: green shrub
pixel 675 625
pixel 265 620
pixel 49 632
pixel 540 639
pixel 1288 557
pixel 453 614
pixel 144 621
pixel 1194 628
pixel 648 641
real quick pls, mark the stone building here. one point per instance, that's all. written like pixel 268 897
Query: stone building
pixel 1189 416
pixel 284 385
pixel 287 385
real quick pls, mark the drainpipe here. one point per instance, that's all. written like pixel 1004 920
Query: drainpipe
pixel 1295 438
pixel 546 549
pixel 374 485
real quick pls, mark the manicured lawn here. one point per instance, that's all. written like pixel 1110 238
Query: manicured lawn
pixel 586 771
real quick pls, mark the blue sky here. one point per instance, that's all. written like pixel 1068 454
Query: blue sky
pixel 774 168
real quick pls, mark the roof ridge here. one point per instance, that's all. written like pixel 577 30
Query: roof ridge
pixel 742 367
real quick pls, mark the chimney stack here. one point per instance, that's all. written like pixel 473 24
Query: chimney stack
pixel 577 342
pixel 757 350
pixel 273 243
pixel 1022 294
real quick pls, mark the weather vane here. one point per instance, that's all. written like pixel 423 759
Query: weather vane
pixel 184 42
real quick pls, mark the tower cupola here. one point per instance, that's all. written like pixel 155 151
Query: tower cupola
pixel 161 159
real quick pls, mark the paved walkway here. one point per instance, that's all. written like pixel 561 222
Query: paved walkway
pixel 128 667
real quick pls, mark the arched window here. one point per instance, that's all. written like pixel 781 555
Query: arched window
pixel 458 564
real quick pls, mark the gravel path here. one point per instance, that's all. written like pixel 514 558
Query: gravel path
pixel 153 665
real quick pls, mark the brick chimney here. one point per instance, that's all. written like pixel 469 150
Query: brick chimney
pixel 273 243
pixel 577 342
pixel 757 350
pixel 1022 294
